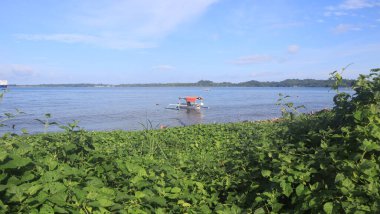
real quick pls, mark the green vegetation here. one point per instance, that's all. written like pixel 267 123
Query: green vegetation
pixel 326 162
pixel 208 83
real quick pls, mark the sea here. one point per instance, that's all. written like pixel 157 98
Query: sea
pixel 137 108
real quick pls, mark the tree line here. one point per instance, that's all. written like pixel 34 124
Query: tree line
pixel 208 83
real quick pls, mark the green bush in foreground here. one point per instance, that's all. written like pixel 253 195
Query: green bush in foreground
pixel 326 162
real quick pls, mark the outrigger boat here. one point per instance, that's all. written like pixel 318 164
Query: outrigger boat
pixel 191 103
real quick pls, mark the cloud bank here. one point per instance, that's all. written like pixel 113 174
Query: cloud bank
pixel 343 28
pixel 112 42
pixel 125 24
pixel 16 71
pixel 350 5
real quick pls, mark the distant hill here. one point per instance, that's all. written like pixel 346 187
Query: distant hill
pixel 208 83
pixel 296 83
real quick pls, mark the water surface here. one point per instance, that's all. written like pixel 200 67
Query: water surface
pixel 130 108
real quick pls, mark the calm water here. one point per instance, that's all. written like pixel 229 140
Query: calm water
pixel 129 108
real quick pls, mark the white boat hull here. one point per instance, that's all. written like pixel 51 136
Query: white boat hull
pixel 184 106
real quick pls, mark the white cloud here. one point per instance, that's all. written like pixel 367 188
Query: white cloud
pixel 343 28
pixel 358 4
pixel 163 67
pixel 16 71
pixel 335 13
pixel 67 38
pixel 252 59
pixel 293 49
pixel 349 5
pixel 105 41
pixel 123 24
pixel 144 17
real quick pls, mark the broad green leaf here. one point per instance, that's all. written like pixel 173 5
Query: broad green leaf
pixel 52 164
pixel 13 181
pixel 160 211
pixel 80 194
pixel 139 194
pixel 175 190
pixel 95 182
pixel 42 196
pixel 34 189
pixel 286 188
pixel 54 187
pixel 27 176
pixel 102 202
pixel 46 209
pixel 277 207
pixel 286 158
pixel 300 189
pixel 339 177
pixel 357 115
pixel 16 162
pixel 260 211
pixel 3 207
pixel 3 176
pixel 184 203
pixel 348 184
pixel 17 197
pixel 107 191
pixel 328 207
pixel 324 145
pixel 370 146
pixel 3 155
pixel 23 148
pixel 157 200
pixel 105 202
pixel 59 199
pixel 265 173
pixel 51 176
pixel 199 185
pixel 3 187
pixel 58 209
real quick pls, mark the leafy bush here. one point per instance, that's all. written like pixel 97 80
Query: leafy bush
pixel 328 161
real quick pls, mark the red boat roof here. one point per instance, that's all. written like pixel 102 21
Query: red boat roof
pixel 191 99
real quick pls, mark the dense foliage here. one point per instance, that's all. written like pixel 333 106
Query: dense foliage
pixel 325 162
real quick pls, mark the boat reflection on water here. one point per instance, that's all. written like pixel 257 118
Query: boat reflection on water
pixel 189 117
pixel 194 116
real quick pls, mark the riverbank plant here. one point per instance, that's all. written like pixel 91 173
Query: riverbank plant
pixel 325 162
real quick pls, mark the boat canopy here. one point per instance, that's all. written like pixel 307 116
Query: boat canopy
pixel 192 99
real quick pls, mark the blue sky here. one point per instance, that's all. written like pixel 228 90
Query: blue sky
pixel 144 41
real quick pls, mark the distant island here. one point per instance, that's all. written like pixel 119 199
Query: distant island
pixel 208 83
